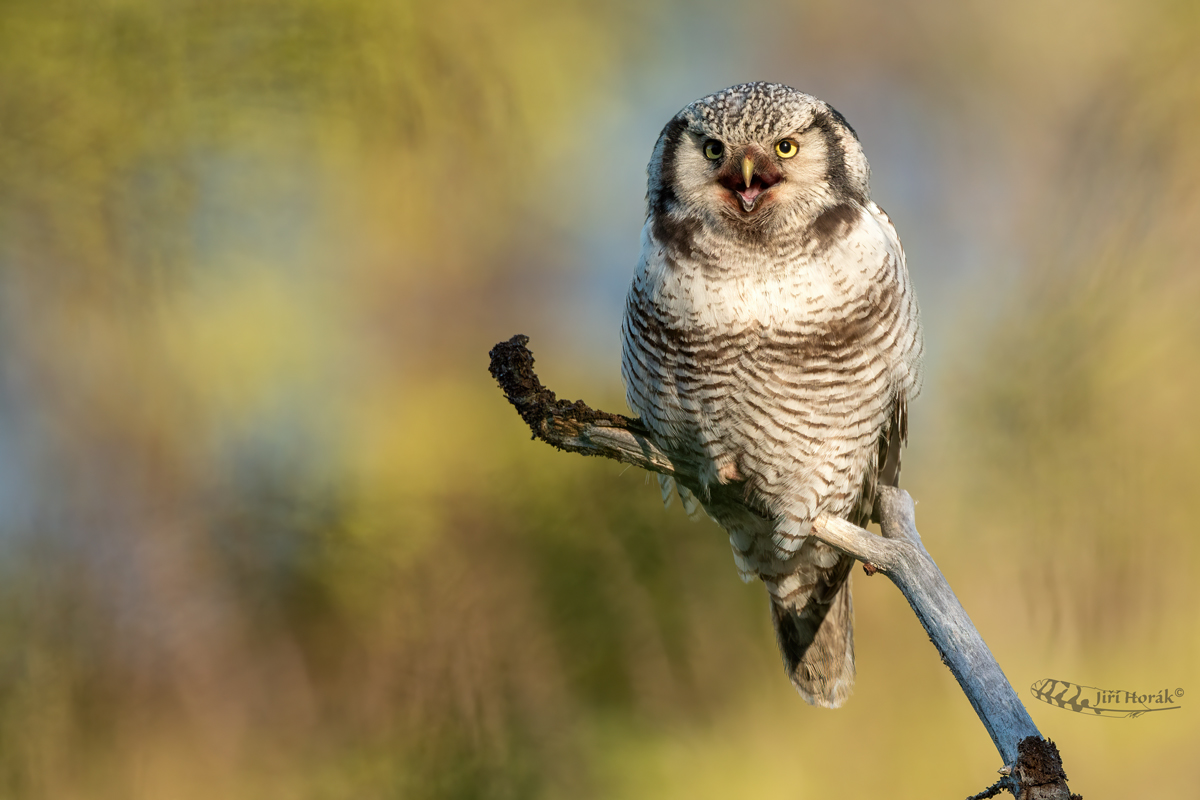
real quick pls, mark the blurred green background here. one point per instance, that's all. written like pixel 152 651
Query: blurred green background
pixel 268 530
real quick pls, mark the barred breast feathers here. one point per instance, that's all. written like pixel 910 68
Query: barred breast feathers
pixel 848 264
pixel 763 344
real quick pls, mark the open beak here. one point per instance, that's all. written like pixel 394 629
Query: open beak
pixel 756 176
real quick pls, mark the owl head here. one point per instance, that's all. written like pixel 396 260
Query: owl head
pixel 756 159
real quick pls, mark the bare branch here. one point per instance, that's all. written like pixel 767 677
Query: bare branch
pixel 1033 768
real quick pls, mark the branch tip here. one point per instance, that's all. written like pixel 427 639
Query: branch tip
pixel 512 367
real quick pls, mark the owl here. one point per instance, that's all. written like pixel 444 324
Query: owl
pixel 771 334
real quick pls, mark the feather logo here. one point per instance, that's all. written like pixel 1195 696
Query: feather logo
pixel 1098 702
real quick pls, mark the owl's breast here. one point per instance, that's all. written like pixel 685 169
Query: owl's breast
pixel 754 352
pixel 678 362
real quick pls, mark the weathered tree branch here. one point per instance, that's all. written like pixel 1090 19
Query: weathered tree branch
pixel 1033 769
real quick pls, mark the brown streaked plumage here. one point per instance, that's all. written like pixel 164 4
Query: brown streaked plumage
pixel 771 331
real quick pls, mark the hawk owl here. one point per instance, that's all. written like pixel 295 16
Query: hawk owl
pixel 772 334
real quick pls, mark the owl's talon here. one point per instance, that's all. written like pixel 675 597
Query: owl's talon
pixel 728 473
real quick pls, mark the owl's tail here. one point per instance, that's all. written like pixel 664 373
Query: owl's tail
pixel 816 638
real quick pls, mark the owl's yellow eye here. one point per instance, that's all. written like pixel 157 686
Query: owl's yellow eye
pixel 713 149
pixel 787 148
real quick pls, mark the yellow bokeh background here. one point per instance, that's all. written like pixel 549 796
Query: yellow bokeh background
pixel 269 530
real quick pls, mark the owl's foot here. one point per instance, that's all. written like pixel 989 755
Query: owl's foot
pixel 721 471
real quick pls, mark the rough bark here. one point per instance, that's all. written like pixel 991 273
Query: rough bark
pixel 1032 766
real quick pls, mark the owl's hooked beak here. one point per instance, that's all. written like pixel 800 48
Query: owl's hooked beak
pixel 757 175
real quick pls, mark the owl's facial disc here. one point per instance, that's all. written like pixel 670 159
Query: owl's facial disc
pixel 748 176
